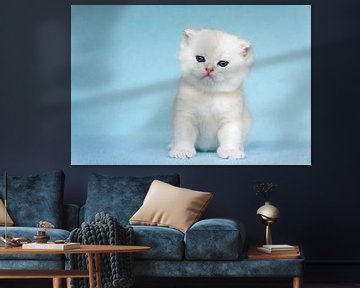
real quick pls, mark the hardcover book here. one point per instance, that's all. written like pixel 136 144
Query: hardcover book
pixel 278 249
pixel 51 246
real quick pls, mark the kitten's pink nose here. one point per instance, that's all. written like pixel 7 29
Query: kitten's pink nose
pixel 209 69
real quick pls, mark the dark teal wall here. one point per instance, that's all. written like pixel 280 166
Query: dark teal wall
pixel 318 203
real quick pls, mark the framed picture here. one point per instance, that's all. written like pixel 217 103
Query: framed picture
pixel 126 74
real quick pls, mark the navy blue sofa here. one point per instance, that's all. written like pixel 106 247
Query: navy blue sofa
pixel 210 248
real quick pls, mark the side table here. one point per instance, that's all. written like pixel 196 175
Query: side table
pixel 288 259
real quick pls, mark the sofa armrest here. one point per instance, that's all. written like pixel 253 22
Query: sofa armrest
pixel 215 239
pixel 71 216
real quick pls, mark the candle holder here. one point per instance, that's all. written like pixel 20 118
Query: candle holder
pixel 41 237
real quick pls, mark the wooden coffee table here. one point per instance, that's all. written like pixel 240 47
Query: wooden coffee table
pixel 93 251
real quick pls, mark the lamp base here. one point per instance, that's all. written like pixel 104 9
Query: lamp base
pixel 268 237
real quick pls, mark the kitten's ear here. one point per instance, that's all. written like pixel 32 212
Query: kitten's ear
pixel 188 34
pixel 246 48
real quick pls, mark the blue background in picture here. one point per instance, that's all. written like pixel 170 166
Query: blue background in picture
pixel 125 71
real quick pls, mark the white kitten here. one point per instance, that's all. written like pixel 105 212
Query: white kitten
pixel 210 112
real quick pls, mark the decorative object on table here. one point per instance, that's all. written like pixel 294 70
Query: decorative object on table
pixel 61 241
pixel 45 225
pixel 11 241
pixel 116 268
pixel 41 236
pixel 268 213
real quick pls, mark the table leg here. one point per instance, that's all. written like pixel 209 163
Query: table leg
pixel 98 270
pixel 297 282
pixel 57 283
pixel 68 282
pixel 91 270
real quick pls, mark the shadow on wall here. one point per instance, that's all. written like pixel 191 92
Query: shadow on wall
pixel 135 102
pixel 130 107
pixel 160 86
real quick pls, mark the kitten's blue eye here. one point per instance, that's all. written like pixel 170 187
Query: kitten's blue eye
pixel 200 58
pixel 222 63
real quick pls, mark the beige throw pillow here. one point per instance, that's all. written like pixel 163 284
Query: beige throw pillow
pixel 9 221
pixel 170 206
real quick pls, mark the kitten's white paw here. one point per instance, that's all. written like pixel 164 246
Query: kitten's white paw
pixel 182 153
pixel 227 153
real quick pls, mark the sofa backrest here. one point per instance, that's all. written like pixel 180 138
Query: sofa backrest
pixel 35 198
pixel 120 196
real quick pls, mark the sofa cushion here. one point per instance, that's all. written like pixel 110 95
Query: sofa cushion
pixel 165 243
pixel 9 221
pixel 35 198
pixel 214 239
pixel 119 196
pixel 29 232
pixel 170 206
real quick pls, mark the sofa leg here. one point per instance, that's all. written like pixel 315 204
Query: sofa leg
pixel 297 282
pixel 57 283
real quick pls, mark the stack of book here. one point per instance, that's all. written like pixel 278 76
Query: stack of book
pixel 282 251
pixel 278 249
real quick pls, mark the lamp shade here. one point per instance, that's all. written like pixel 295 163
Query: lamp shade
pixel 269 211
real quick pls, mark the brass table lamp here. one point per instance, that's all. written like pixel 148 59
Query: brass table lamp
pixel 268 214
